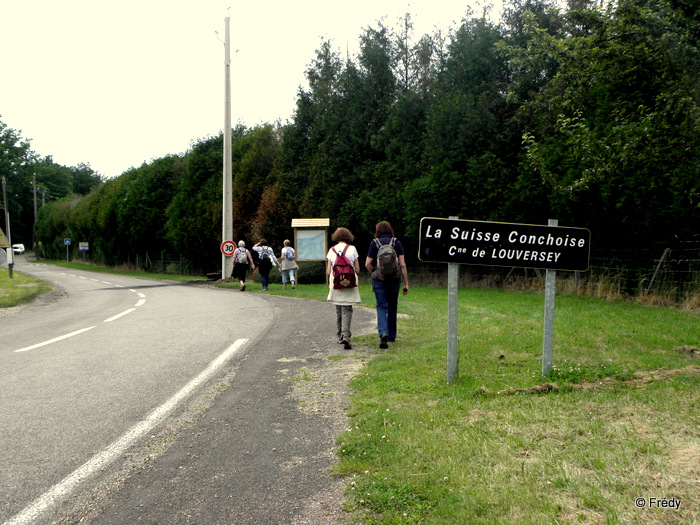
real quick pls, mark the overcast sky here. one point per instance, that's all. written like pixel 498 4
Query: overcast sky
pixel 116 84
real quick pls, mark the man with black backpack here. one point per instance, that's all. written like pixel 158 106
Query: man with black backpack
pixel 386 262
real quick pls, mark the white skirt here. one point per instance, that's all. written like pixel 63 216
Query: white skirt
pixel 344 297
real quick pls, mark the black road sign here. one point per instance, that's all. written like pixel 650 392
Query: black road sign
pixel 504 244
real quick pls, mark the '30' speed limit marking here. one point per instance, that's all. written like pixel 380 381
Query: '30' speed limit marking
pixel 227 248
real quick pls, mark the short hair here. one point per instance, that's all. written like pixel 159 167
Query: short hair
pixel 384 228
pixel 263 242
pixel 286 242
pixel 342 235
pixel 241 244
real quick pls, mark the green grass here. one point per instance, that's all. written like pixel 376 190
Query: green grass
pixel 620 422
pixel 20 289
pixel 618 419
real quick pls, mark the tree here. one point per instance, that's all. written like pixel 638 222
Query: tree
pixel 84 179
pixel 468 136
pixel 613 135
pixel 16 158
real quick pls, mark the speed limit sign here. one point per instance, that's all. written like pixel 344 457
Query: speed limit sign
pixel 227 248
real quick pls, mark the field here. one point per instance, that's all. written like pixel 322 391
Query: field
pixel 611 436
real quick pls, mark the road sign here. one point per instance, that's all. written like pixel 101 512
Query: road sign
pixel 84 246
pixel 504 244
pixel 66 242
pixel 227 248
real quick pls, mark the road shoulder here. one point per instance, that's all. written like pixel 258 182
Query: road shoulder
pixel 257 446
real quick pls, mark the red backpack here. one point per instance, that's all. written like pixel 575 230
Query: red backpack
pixel 343 271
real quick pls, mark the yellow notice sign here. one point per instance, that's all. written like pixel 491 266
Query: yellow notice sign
pixel 4 242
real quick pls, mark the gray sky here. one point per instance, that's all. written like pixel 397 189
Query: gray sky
pixel 116 84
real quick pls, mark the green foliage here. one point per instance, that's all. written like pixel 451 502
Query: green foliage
pixel 31 181
pixel 607 133
pixel 589 115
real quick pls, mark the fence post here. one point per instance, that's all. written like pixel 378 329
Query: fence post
pixel 658 267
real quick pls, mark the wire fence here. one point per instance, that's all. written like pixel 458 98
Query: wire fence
pixel 670 272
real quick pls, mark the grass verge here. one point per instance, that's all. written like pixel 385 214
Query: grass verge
pixel 20 289
pixel 615 421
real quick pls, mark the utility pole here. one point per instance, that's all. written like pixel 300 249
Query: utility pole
pixel 35 212
pixel 227 219
pixel 35 209
pixel 10 253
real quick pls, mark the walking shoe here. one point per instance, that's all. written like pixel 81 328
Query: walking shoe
pixel 243 288
pixel 284 287
pixel 347 344
pixel 383 341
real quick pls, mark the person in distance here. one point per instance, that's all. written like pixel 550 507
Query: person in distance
pixel 242 260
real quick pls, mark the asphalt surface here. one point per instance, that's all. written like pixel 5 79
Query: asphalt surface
pixel 256 447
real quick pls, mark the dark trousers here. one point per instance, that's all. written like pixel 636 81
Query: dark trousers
pixel 343 316
pixel 387 295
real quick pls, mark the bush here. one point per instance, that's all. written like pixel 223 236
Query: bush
pixel 309 272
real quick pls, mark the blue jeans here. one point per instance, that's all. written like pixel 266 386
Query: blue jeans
pixel 387 296
pixel 288 275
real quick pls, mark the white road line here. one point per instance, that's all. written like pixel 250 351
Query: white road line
pixel 60 491
pixel 125 312
pixel 55 339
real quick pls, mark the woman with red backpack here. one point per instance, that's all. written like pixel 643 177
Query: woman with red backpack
pixel 342 267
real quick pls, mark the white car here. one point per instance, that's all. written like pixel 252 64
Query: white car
pixel 18 248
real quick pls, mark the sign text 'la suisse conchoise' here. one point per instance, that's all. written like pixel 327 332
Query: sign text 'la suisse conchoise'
pixel 504 244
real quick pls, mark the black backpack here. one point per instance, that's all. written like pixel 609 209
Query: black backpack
pixel 388 267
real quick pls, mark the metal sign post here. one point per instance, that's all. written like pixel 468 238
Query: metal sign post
pixel 452 320
pixel 550 288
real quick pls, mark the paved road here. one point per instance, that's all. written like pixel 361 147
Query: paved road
pixel 126 397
